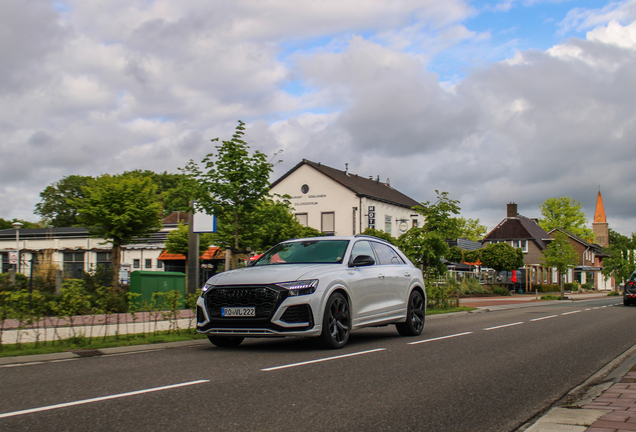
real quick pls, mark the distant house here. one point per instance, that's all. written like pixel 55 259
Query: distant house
pixel 341 203
pixel 525 233
pixel 590 262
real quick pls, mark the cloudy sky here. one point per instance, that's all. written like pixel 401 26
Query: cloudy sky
pixel 494 101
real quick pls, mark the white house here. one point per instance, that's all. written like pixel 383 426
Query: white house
pixel 74 251
pixel 341 203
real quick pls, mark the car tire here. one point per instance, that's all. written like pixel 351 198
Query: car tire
pixel 336 322
pixel 415 316
pixel 626 302
pixel 226 341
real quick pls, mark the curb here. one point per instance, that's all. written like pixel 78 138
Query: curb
pixel 567 414
pixel 69 355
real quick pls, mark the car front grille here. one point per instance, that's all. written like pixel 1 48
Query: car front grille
pixel 264 299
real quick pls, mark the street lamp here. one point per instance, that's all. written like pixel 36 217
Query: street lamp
pixel 17 226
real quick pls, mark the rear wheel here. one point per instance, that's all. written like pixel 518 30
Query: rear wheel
pixel 415 315
pixel 226 341
pixel 336 322
pixel 626 302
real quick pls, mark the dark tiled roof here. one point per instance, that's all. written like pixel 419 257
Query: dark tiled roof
pixel 519 228
pixel 361 186
pixel 598 249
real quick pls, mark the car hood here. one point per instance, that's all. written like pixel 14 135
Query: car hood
pixel 271 274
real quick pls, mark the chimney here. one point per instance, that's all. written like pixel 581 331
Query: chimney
pixel 388 182
pixel 346 169
pixel 512 210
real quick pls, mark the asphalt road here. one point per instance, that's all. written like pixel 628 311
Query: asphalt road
pixel 474 372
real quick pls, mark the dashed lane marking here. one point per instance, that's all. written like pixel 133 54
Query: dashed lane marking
pixel 543 318
pixel 440 338
pixel 321 360
pixel 572 312
pixel 99 399
pixel 502 326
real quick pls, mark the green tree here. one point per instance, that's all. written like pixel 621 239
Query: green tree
pixel 426 245
pixel 471 229
pixel 56 205
pixel 276 222
pixel 234 183
pixel 177 241
pixel 561 255
pixel 620 264
pixel 380 234
pixel 7 224
pixel 565 213
pixel 175 191
pixel 501 257
pixel 119 208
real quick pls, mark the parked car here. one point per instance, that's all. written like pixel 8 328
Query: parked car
pixel 629 291
pixel 323 287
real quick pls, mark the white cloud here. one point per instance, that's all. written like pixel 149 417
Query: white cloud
pixel 121 85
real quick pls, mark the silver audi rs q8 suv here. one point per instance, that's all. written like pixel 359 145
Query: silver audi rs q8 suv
pixel 322 287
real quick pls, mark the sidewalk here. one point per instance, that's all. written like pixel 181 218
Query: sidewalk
pixel 607 406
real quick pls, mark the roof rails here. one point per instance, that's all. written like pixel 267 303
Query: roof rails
pixel 372 237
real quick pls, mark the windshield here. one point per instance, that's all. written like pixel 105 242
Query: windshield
pixel 304 252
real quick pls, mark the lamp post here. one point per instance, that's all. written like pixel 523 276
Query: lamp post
pixel 17 226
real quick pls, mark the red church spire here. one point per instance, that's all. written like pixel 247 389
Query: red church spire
pixel 599 214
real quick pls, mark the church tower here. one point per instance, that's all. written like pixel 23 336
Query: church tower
pixel 599 226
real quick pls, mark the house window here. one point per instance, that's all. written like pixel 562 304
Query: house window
pixel 328 223
pixel 148 264
pixel 104 259
pixel 387 224
pixel 136 263
pixel 159 264
pixel 302 218
pixel 415 223
pixel 74 264
pixel 523 244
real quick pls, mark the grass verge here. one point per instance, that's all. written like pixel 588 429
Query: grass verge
pixel 83 343
pixel 449 310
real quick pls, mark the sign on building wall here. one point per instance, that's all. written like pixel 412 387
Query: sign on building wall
pixel 13 257
pixel 371 216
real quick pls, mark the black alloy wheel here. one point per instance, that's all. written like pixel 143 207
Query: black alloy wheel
pixel 415 315
pixel 226 341
pixel 336 322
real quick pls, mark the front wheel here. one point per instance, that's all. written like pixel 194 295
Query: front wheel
pixel 226 341
pixel 336 322
pixel 415 315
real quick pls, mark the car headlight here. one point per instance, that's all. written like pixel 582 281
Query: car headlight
pixel 206 288
pixel 302 287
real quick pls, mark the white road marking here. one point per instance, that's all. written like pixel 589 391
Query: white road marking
pixel 502 326
pixel 98 399
pixel 588 309
pixel 439 338
pixel 573 312
pixel 321 360
pixel 545 317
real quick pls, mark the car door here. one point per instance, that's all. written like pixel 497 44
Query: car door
pixel 366 285
pixel 395 276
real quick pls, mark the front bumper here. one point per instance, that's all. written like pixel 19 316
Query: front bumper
pixel 276 313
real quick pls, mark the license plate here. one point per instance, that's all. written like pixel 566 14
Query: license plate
pixel 238 311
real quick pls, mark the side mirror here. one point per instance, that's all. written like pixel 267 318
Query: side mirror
pixel 362 261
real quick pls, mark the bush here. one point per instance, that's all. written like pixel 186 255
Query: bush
pixel 613 293
pixel 21 282
pixel 496 289
pixel 546 288
pixel 571 286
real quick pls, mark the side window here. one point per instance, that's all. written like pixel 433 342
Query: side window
pixel 386 255
pixel 361 248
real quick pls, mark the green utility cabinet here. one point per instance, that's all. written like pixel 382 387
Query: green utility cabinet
pixel 148 282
